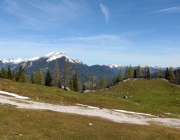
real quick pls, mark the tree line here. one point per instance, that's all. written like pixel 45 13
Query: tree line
pixel 64 79
pixel 57 80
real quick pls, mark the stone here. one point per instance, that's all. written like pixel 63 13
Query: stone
pixel 89 124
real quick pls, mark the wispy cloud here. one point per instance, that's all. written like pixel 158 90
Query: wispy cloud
pixel 42 13
pixel 169 10
pixel 105 11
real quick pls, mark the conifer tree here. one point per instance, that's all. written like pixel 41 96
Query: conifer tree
pixel 167 74
pixel 84 88
pixel 75 81
pixel 92 82
pixel 32 79
pixel 56 74
pixel 171 75
pixel 126 75
pixel 104 82
pixel 135 73
pixel 39 78
pixel 9 73
pixel 71 86
pixel 148 73
pixel 138 71
pixel 159 74
pixel 3 73
pixel 48 79
pixel 65 72
pixel 130 72
pixel 119 77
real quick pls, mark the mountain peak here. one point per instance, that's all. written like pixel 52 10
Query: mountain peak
pixel 13 61
pixel 54 55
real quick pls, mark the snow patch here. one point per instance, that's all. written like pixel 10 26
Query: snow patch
pixel 13 61
pixel 14 95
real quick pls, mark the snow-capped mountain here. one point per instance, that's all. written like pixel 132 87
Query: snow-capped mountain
pixel 84 71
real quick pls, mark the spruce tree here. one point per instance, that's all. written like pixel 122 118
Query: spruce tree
pixel 139 72
pixel 39 78
pixel 56 74
pixel 3 73
pixel 135 73
pixel 84 88
pixel 48 79
pixel 9 73
pixel 126 74
pixel 65 72
pixel 167 75
pixel 75 82
pixel 71 86
pixel 130 72
pixel 148 73
pixel 32 80
pixel 119 77
pixel 171 75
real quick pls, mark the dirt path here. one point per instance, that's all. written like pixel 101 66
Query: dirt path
pixel 120 116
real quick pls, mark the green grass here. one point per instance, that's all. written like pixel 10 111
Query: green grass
pixel 25 124
pixel 148 96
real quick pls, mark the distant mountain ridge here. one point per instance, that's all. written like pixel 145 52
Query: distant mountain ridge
pixel 84 71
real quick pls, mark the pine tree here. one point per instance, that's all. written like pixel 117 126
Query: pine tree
pixel 92 82
pixel 172 76
pixel 119 77
pixel 65 72
pixel 135 73
pixel 104 82
pixel 84 88
pixel 75 82
pixel 148 73
pixel 126 75
pixel 139 72
pixel 130 72
pixel 71 86
pixel 56 74
pixel 3 73
pixel 48 79
pixel 39 78
pixel 9 73
pixel 32 80
pixel 167 74
pixel 159 74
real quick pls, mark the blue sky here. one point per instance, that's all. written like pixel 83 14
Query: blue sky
pixel 94 31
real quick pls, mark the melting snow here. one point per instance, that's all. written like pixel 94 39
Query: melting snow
pixel 14 95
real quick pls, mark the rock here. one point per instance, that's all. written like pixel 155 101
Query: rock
pixel 89 124
pixel 127 93
pixel 125 97
pixel 66 88
pixel 130 96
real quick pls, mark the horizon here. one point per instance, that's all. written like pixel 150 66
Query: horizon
pixel 99 32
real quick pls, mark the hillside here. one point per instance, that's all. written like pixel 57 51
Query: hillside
pixel 148 96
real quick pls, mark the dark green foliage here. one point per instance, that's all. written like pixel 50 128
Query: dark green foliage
pixel 75 82
pixel 148 74
pixel 71 86
pixel 84 88
pixel 119 77
pixel 3 73
pixel 32 79
pixel 48 79
pixel 135 73
pixel 21 76
pixel 167 75
pixel 9 73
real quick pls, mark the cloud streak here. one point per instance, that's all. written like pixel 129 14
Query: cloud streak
pixel 169 10
pixel 37 13
pixel 106 12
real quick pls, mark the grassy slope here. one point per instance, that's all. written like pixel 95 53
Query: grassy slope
pixel 148 96
pixel 154 96
pixel 32 124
